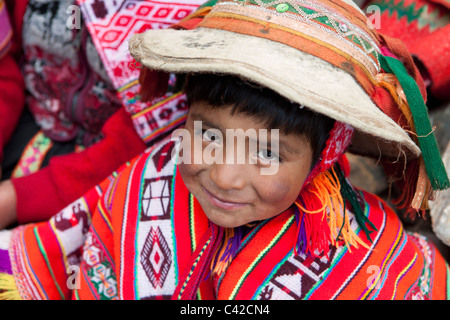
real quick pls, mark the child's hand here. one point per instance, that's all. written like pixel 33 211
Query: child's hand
pixel 8 213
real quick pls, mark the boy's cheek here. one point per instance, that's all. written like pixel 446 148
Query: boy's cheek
pixel 279 194
pixel 274 191
pixel 189 173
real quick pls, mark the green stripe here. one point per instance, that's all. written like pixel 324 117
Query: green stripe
pixel 261 256
pixel 336 259
pixel 141 193
pixel 77 296
pixel 44 254
pixel 448 283
pixel 172 203
pixel 209 3
pixel 271 275
pixel 193 268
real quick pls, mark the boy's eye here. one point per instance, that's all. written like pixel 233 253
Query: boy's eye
pixel 210 136
pixel 267 156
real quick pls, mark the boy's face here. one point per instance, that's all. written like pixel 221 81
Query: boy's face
pixel 233 193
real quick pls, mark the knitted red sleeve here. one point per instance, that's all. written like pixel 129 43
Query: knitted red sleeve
pixel 68 177
pixel 12 99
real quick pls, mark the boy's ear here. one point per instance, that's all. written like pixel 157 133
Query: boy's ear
pixel 153 84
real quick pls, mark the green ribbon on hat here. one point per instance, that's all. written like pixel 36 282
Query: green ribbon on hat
pixel 427 142
pixel 209 3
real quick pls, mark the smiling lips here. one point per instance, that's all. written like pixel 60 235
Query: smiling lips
pixel 225 205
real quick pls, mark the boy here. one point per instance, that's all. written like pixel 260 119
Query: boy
pixel 294 78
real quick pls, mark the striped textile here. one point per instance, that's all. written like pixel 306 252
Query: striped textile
pixel 110 32
pixel 137 234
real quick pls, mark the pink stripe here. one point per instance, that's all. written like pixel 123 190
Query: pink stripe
pixel 387 53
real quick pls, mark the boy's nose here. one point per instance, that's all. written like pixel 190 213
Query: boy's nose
pixel 228 176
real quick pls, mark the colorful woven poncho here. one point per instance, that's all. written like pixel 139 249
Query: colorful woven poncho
pixel 141 235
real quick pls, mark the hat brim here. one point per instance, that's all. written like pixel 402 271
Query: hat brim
pixel 298 76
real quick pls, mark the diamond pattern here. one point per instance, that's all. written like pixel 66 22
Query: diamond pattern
pixel 156 257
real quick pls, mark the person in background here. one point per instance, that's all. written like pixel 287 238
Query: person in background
pixel 67 91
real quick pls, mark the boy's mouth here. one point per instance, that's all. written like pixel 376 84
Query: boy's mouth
pixel 221 203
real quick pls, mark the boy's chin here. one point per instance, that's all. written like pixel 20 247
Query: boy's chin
pixel 221 220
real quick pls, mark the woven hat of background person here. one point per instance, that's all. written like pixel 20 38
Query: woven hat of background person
pixel 424 28
pixel 320 54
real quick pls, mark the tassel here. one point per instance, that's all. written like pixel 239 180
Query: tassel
pixel 227 250
pixel 407 184
pixel 424 191
pixel 232 241
pixel 321 218
pixel 8 288
pixel 390 83
pixel 349 194
pixel 302 235
pixel 415 185
pixel 430 152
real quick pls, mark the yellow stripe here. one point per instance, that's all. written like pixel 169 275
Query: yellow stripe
pixel 47 261
pixel 29 270
pixel 375 282
pixel 262 253
pixel 52 224
pixel 182 118
pixel 402 273
pixel 128 85
pixel 156 105
pixel 105 217
pixel 192 223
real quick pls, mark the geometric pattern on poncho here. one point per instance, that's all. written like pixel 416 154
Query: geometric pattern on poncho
pixel 99 269
pixel 297 276
pixel 156 257
pixel 156 198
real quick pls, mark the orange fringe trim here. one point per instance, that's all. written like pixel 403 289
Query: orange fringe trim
pixel 326 188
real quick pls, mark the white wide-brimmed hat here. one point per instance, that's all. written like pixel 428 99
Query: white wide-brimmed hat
pixel 321 54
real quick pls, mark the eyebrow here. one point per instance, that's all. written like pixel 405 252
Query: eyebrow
pixel 285 147
pixel 197 117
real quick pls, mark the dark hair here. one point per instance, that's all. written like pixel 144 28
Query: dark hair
pixel 265 105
